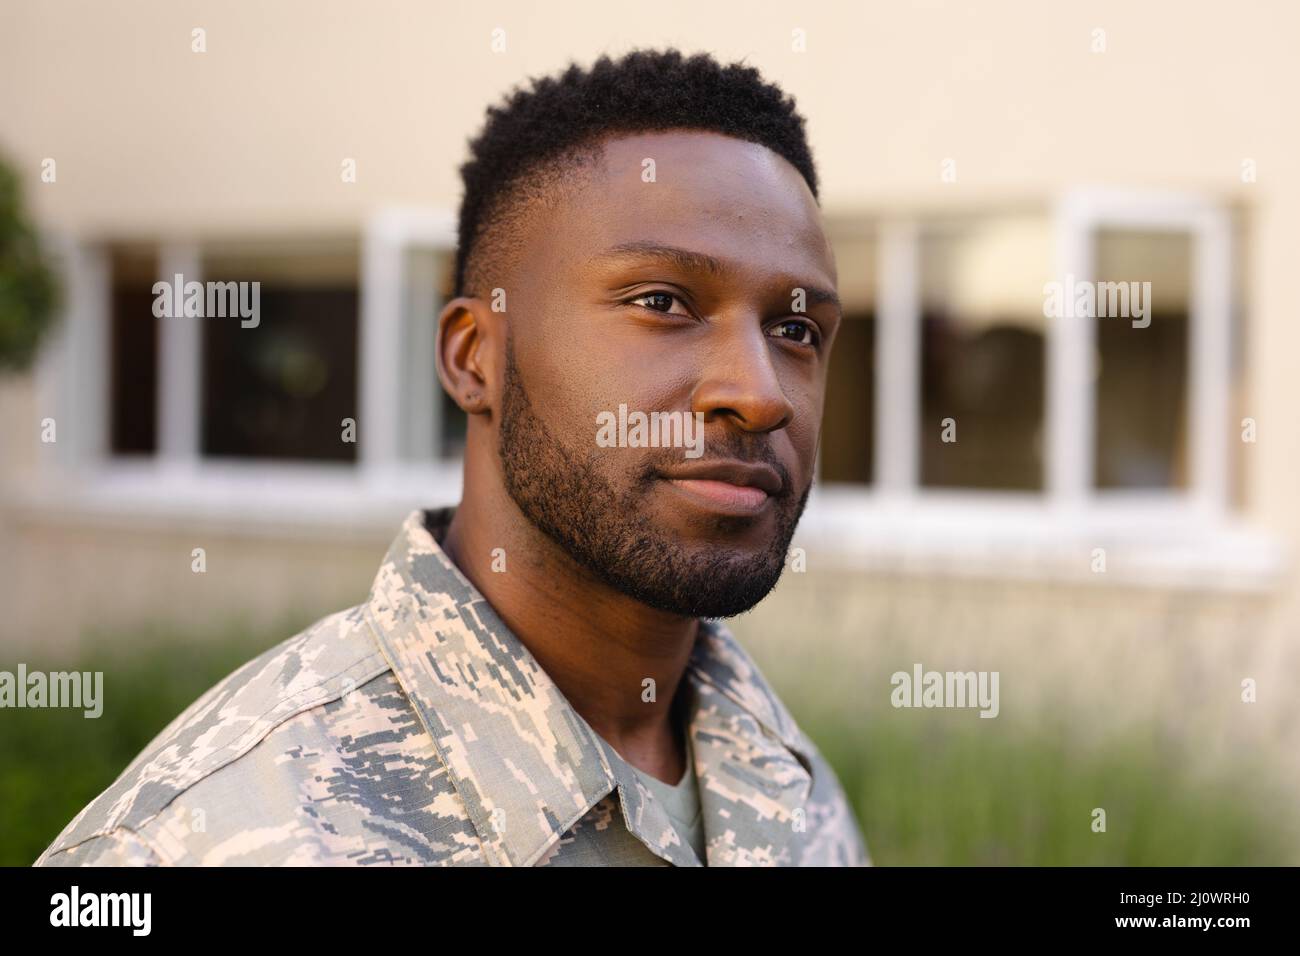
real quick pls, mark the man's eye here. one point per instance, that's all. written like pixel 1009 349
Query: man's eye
pixel 657 301
pixel 797 331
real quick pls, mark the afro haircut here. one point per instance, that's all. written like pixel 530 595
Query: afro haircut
pixel 528 141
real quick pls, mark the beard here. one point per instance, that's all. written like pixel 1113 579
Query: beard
pixel 604 527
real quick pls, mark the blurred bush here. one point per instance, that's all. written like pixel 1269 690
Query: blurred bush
pixel 29 293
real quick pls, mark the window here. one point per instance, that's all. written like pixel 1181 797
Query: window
pixel 283 388
pixel 1143 404
pixel 1142 371
pixel 983 352
pixel 1066 430
pixel 848 441
pixel 406 264
pixel 432 426
pixel 972 387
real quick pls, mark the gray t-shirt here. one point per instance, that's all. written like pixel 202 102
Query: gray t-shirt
pixel 682 801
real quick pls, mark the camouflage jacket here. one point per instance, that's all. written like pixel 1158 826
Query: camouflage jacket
pixel 417 729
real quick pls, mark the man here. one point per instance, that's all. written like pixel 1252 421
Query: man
pixel 538 676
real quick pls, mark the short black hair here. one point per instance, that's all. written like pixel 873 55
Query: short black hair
pixel 566 117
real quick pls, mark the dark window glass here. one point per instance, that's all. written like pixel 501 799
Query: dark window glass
pixel 982 355
pixel 133 361
pixel 1141 421
pixel 848 423
pixel 283 389
pixel 848 436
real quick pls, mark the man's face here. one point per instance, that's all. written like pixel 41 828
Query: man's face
pixel 677 295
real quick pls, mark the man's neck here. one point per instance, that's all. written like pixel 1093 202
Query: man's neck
pixel 600 647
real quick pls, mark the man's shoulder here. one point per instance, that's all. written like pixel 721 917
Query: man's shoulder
pixel 283 692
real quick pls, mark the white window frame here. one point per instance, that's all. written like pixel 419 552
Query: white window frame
pixel 1071 401
pixel 82 480
pixel 393 437
pixel 1158 536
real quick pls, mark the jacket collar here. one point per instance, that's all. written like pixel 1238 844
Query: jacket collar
pixel 527 766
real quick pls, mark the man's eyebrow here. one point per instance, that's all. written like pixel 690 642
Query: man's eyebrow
pixel 690 261
pixel 684 259
pixel 816 295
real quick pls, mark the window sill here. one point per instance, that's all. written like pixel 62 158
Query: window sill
pixel 1149 541
pixel 1156 540
pixel 328 501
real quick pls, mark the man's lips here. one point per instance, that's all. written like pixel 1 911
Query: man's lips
pixel 732 486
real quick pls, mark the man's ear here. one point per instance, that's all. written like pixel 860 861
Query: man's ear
pixel 469 339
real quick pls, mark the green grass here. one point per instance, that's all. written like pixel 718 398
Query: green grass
pixel 929 788
pixel 940 789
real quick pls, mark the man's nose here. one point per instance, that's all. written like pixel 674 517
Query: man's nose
pixel 739 380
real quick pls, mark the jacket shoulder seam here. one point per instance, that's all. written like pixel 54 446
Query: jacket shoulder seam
pixel 120 829
pixel 292 706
